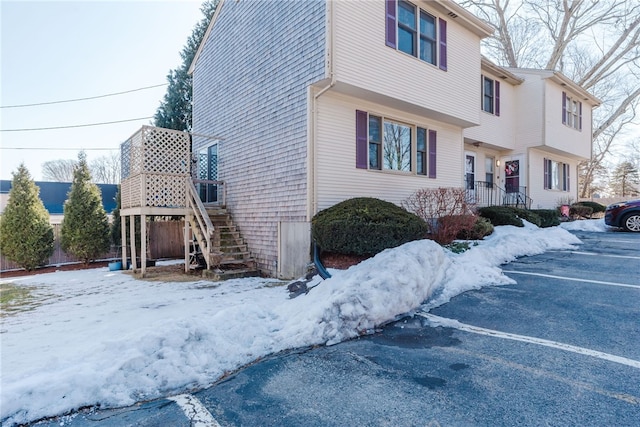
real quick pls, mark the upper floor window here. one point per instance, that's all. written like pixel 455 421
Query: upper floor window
pixel 490 95
pixel 571 111
pixel 416 32
pixel 556 175
pixel 384 144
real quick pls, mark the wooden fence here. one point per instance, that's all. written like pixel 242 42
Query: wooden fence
pixel 165 241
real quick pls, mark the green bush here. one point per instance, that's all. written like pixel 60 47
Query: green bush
pixel 580 211
pixel 365 226
pixel 549 217
pixel 25 234
pixel 479 231
pixel 500 215
pixel 597 207
pixel 528 215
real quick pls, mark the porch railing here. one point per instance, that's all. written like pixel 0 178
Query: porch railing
pixel 485 193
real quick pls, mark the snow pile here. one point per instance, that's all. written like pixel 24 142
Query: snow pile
pixel 595 225
pixel 103 338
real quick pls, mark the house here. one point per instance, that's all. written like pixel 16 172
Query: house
pixel 301 105
pixel 535 128
pixel 54 194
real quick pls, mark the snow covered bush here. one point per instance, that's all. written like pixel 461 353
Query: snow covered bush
pixel 548 217
pixel 85 227
pixel 365 226
pixel 26 237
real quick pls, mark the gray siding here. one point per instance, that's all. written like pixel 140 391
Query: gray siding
pixel 250 89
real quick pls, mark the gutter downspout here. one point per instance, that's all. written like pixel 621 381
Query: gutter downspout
pixel 312 197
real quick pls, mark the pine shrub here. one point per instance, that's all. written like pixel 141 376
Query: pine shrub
pixel 548 217
pixel 581 211
pixel 85 227
pixel 26 237
pixel 597 207
pixel 481 228
pixel 500 215
pixel 365 226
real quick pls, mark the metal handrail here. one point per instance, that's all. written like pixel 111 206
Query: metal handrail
pixel 489 194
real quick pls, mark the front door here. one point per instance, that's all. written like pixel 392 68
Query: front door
pixel 208 170
pixel 512 176
pixel 470 174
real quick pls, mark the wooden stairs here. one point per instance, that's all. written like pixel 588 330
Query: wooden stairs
pixel 217 245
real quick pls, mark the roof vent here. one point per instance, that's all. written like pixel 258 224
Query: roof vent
pixel 453 15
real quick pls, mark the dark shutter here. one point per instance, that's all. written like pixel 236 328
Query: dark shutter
pixel 546 174
pixel 567 180
pixel 580 112
pixel 443 44
pixel 432 153
pixel 391 23
pixel 564 108
pixel 361 139
pixel 497 100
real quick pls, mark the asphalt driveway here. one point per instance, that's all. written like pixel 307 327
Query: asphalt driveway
pixel 560 347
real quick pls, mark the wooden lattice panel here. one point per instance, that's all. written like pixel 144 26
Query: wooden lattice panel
pixel 166 151
pixel 165 190
pixel 131 195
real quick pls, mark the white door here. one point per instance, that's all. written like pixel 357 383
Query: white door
pixel 470 173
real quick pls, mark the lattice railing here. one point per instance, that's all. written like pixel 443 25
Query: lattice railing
pixel 155 165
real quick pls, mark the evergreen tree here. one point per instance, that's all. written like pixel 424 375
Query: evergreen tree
pixel 116 224
pixel 85 227
pixel 625 179
pixel 26 237
pixel 176 107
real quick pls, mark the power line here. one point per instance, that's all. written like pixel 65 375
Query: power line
pixel 83 99
pixel 75 126
pixel 59 149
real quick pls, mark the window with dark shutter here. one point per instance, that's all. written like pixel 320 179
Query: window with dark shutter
pixel 432 153
pixel 361 139
pixel 443 44
pixel 497 96
pixel 391 23
pixel 564 108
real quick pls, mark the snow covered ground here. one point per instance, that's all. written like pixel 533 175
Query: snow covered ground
pixel 97 337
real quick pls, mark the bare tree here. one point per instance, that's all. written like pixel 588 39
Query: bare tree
pixel 58 170
pixel 595 43
pixel 106 169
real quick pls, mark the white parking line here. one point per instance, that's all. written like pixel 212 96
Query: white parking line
pixel 572 279
pixel 452 323
pixel 195 411
pixel 600 255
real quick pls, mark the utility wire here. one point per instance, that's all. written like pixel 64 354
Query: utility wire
pixel 83 99
pixel 75 126
pixel 59 149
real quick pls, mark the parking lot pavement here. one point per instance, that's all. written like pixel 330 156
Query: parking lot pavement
pixel 560 347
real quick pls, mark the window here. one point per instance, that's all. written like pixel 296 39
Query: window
pixel 571 112
pixel 418 33
pixel 490 95
pixel 488 171
pixel 556 175
pixel 407 27
pixel 384 144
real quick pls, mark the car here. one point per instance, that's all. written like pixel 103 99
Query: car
pixel 624 215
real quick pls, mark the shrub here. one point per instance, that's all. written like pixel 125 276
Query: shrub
pixel 549 217
pixel 26 237
pixel 450 227
pixel 597 207
pixel 580 211
pixel 85 227
pixel 480 230
pixel 365 226
pixel 433 203
pixel 527 215
pixel 500 215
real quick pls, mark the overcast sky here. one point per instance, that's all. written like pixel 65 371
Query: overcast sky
pixel 54 51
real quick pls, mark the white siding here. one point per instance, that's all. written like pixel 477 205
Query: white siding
pixel 550 199
pixel 529 122
pixel 562 137
pixel 337 176
pixel 498 131
pixel 362 59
